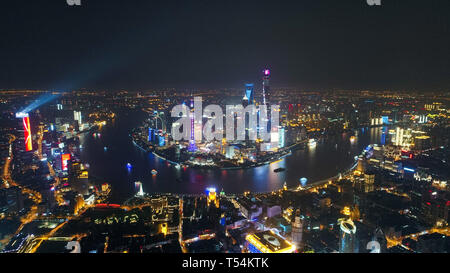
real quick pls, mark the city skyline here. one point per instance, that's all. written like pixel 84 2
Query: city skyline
pixel 237 127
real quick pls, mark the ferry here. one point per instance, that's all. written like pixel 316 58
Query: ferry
pixel 154 172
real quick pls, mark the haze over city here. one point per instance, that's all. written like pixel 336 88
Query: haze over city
pixel 324 44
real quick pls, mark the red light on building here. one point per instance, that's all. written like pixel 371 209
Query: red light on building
pixel 64 159
pixel 27 132
pixel 103 205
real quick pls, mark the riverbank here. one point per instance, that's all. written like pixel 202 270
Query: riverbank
pixel 327 159
pixel 286 152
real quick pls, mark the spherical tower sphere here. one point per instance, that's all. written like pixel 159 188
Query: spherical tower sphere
pixel 303 180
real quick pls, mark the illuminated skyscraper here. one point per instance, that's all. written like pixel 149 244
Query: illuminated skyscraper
pixel 369 181
pixel 361 164
pixel 281 137
pixel 25 125
pixel 266 101
pixel 150 135
pixel 212 197
pixel 65 158
pixel 27 132
pixel 248 99
pixel 198 120
pixel 77 116
pixel 297 230
pixel 347 238
pixel 398 140
pixel 192 146
pixel 266 87
pixel 249 93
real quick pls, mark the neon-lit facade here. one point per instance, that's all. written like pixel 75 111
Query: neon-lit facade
pixel 161 140
pixel 212 196
pixel 27 132
pixel 64 160
pixel 268 242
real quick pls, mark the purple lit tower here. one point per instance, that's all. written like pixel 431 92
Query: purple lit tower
pixel 266 86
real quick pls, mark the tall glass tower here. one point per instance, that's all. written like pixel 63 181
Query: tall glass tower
pixel 249 92
pixel 266 86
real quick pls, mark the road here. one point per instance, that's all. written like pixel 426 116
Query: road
pixel 9 182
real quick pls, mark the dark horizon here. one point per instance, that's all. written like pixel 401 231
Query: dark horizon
pixel 142 45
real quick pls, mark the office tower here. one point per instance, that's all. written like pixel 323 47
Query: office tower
pixel 150 135
pixel 24 125
pixel 361 164
pixel 266 87
pixel 212 197
pixel 249 93
pixel 77 116
pixel 266 101
pixel 198 120
pixel 281 137
pixel 65 158
pixel 27 133
pixel 398 140
pixel 369 181
pixel 297 230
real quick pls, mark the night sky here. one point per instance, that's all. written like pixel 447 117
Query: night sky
pixel 145 44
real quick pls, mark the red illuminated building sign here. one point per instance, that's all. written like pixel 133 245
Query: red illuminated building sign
pixel 64 159
pixel 105 206
pixel 27 132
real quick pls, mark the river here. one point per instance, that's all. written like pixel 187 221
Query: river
pixel 327 159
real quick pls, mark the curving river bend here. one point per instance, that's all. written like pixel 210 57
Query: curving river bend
pixel 327 159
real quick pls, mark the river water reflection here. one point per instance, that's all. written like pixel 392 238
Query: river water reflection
pixel 327 159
